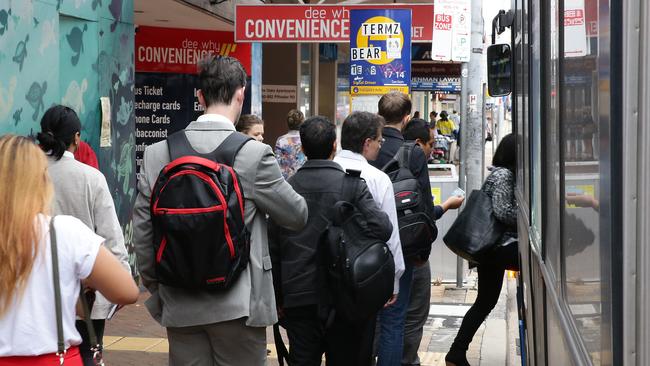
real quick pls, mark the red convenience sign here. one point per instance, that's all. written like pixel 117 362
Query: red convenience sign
pixel 316 23
pixel 178 50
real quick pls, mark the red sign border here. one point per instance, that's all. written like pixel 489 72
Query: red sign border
pixel 369 6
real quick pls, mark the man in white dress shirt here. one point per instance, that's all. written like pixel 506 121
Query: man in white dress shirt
pixel 360 141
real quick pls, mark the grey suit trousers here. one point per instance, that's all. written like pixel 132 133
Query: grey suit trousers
pixel 229 343
pixel 417 314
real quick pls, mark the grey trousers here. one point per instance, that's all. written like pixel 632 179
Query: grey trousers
pixel 229 343
pixel 417 314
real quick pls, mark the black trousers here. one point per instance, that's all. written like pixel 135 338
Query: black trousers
pixel 344 343
pixel 84 347
pixel 490 281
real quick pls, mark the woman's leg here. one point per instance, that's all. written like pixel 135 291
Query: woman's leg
pixel 490 281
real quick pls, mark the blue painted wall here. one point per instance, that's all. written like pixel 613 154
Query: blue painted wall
pixel 73 52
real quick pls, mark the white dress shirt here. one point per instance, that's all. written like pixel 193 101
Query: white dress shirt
pixel 381 189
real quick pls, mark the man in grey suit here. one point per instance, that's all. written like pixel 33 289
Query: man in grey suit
pixel 224 327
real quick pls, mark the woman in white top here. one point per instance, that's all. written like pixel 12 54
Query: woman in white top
pixel 28 326
pixel 81 191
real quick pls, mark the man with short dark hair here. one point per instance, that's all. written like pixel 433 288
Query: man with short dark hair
pixel 299 268
pixel 361 139
pixel 419 131
pixel 228 326
pixel 395 107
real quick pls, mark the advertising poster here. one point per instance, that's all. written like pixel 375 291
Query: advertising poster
pixel 380 51
pixel 166 80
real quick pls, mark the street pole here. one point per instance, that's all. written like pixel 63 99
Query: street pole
pixel 471 140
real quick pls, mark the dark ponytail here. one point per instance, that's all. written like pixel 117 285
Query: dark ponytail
pixel 59 126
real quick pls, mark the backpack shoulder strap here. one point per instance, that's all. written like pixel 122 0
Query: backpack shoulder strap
pixel 401 158
pixel 227 151
pixel 350 185
pixel 404 154
pixel 179 146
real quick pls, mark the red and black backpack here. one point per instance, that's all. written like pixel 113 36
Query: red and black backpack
pixel 197 209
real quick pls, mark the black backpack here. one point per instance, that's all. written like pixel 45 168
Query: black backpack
pixel 417 231
pixel 361 267
pixel 197 209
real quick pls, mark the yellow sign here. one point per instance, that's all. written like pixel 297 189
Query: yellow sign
pixel 437 195
pixel 378 90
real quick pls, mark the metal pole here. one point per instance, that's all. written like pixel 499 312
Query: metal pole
pixel 472 127
pixel 463 153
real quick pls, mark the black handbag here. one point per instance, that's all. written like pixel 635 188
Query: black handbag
pixel 476 229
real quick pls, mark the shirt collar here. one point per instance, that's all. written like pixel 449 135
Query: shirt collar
pixel 68 154
pixel 347 154
pixel 211 122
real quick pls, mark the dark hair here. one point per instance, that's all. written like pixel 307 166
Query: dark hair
pixel 454 111
pixel 506 154
pixel 59 126
pixel 417 128
pixel 358 127
pixel 219 78
pixel 317 136
pixel 444 115
pixel 416 114
pixel 435 114
pixel 247 121
pixel 295 119
pixel 394 106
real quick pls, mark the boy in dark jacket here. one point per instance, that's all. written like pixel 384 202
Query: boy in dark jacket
pixel 299 270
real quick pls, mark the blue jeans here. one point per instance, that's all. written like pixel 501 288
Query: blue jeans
pixel 391 323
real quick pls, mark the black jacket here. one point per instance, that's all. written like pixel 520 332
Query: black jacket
pixel 417 165
pixel 299 268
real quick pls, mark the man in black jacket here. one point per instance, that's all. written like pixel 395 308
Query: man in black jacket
pixel 395 107
pixel 299 268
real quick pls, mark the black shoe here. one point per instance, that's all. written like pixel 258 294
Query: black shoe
pixel 456 358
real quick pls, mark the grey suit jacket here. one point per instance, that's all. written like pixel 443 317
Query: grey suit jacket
pixel 265 192
pixel 81 191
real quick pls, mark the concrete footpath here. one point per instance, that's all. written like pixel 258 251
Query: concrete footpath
pixel 134 338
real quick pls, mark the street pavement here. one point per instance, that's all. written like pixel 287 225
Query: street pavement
pixel 133 338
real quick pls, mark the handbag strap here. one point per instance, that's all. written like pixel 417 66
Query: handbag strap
pixel 57 294
pixel 95 347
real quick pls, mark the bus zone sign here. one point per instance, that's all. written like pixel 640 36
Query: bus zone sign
pixel 380 51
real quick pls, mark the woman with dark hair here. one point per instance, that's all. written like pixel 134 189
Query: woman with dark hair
pixel 81 191
pixel 500 187
pixel 288 148
pixel 251 125
pixel 444 125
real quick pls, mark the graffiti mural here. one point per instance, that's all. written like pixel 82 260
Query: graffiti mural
pixel 74 52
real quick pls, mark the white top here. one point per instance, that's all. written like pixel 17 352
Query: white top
pixel 29 326
pixel 382 192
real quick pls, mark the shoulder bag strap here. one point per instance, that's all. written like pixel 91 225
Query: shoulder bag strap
pixel 57 295
pixel 95 347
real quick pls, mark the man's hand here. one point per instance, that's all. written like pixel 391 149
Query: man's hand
pixel 391 301
pixel 453 202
